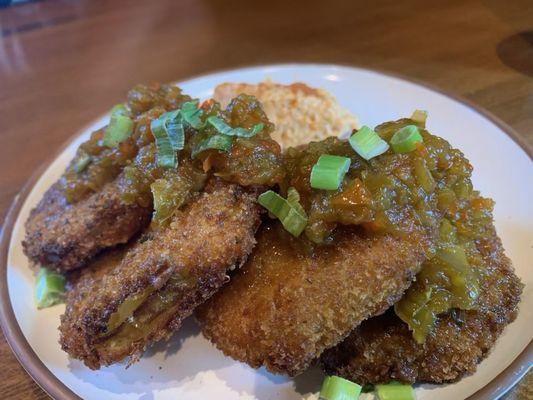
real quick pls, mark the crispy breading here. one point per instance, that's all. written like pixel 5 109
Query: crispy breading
pixel 301 113
pixel 64 236
pixel 172 270
pixel 288 303
pixel 382 348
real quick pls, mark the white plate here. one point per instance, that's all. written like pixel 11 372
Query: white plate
pixel 189 367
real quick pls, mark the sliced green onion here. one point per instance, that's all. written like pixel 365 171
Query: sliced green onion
pixel 405 139
pixel 336 388
pixel 395 391
pixel 225 129
pixel 49 288
pixel 120 109
pixel 166 155
pixel 168 131
pixel 215 142
pixel 120 126
pixel 192 114
pixel 290 216
pixel 329 171
pixel 172 123
pixel 367 143
pixel 293 198
pixel 83 160
pixel 420 117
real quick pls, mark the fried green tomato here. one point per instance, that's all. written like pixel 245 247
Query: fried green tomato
pixel 292 300
pixel 86 211
pixel 383 348
pixel 139 294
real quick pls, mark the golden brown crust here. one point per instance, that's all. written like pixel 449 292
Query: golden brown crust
pixel 382 348
pixel 65 236
pixel 286 305
pixel 209 236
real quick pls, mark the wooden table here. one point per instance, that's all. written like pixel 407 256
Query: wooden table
pixel 63 63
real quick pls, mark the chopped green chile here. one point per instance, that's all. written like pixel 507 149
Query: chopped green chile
pixel 144 105
pixel 49 288
pixel 423 175
pixel 173 190
pixel 329 171
pixel 337 388
pixel 289 215
pixel 405 139
pixel 224 129
pixel 126 309
pixel 446 281
pixel 394 194
pixel 367 143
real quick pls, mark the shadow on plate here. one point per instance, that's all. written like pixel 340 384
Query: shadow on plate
pixel 187 361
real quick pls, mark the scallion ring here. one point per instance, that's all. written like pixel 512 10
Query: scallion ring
pixel 329 171
pixel 215 142
pixel 367 143
pixel 395 391
pixel 337 388
pixel 192 114
pixel 223 128
pixel 405 139
pixel 290 215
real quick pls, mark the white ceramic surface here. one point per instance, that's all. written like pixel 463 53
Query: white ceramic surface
pixel 188 366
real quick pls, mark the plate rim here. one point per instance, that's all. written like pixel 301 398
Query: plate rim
pixel 55 388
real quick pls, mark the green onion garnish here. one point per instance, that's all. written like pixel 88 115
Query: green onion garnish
pixel 293 198
pixel 420 117
pixel 225 129
pixel 215 142
pixel 192 114
pixel 336 388
pixel 329 171
pixel 367 143
pixel 290 215
pixel 120 126
pixel 171 122
pixel 169 132
pixel 83 160
pixel 405 139
pixel 166 154
pixel 395 391
pixel 49 288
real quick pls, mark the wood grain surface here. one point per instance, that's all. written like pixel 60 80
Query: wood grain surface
pixel 63 63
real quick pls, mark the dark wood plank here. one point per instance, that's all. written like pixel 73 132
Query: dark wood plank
pixel 63 63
